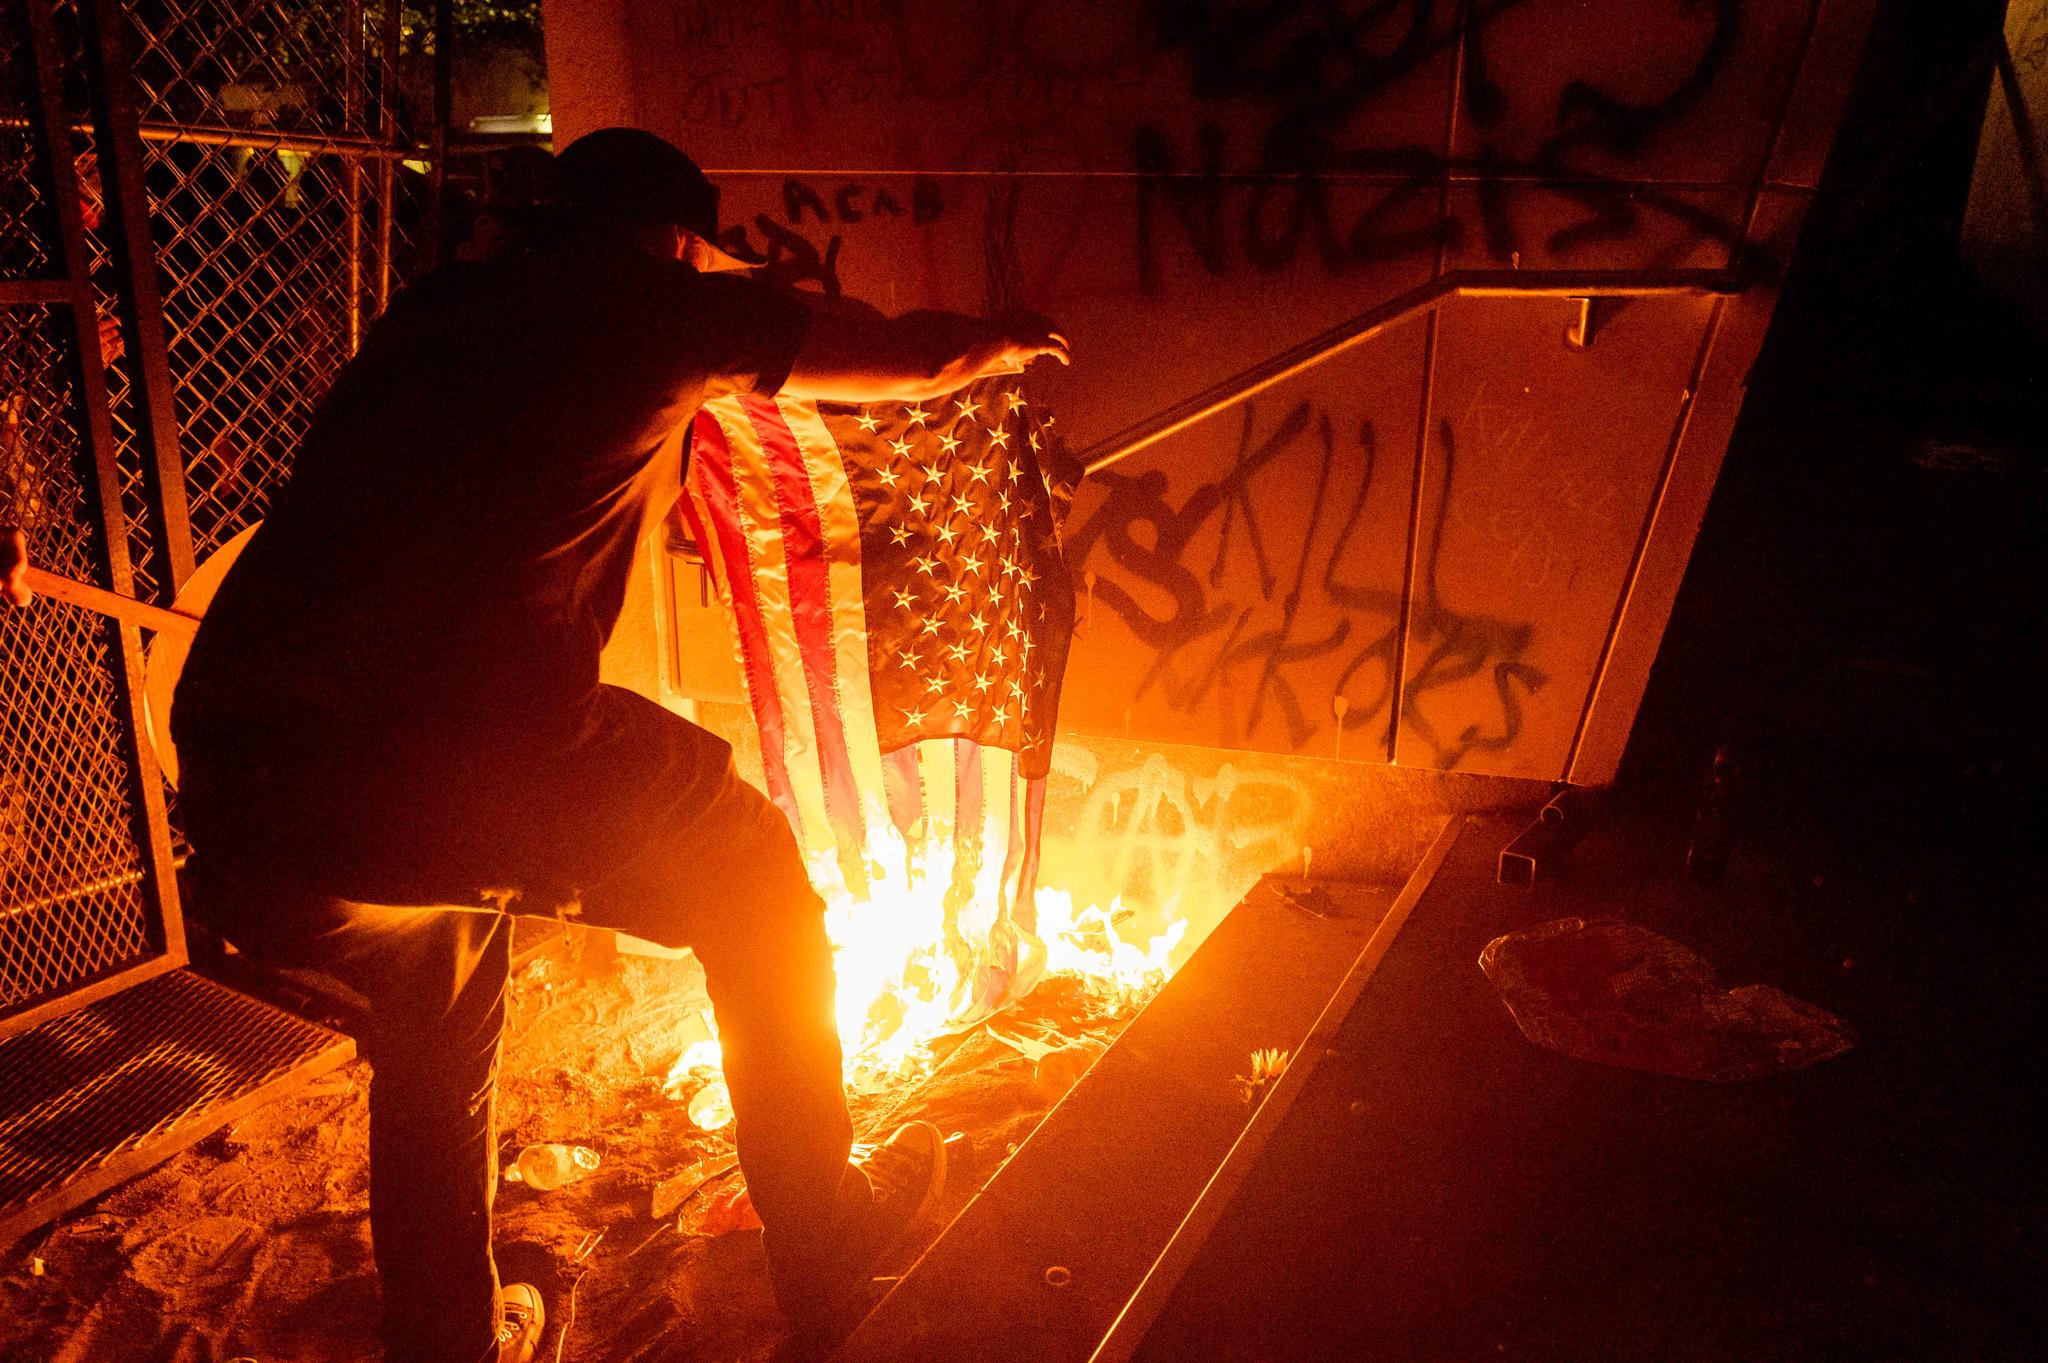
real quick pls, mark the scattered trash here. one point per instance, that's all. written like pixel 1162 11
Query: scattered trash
pixel 1540 851
pixel 1607 991
pixel 1268 1064
pixel 700 1060
pixel 1058 1071
pixel 706 1199
pixel 960 1153
pixel 582 1256
pixel 1033 1041
pixel 36 1267
pixel 711 1106
pixel 1313 900
pixel 722 1210
pixel 697 1080
pixel 548 1166
pixel 674 1190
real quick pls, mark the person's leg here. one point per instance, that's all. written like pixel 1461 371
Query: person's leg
pixel 433 983
pixel 433 1133
pixel 724 878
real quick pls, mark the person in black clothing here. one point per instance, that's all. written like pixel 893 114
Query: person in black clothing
pixel 391 726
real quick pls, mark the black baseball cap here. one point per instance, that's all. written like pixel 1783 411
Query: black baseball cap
pixel 628 175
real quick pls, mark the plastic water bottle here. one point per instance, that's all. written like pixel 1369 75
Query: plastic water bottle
pixel 548 1166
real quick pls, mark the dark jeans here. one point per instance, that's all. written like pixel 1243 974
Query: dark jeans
pixel 720 875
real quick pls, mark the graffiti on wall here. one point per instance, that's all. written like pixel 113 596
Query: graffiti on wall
pixel 1316 70
pixel 1286 158
pixel 1167 841
pixel 1174 575
pixel 1283 586
pixel 783 249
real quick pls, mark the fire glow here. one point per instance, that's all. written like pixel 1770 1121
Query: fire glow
pixel 917 961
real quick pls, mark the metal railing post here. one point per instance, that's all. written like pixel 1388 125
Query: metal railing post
pixel 444 111
pixel 387 132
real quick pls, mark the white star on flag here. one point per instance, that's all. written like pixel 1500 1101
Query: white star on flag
pixel 875 635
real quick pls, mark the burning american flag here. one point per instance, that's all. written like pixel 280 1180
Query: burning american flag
pixel 902 611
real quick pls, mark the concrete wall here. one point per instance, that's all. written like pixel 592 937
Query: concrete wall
pixel 1465 535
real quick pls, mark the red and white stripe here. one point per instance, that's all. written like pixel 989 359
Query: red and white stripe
pixel 769 503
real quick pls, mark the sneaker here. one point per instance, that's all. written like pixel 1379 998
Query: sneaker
pixel 519 1323
pixel 906 1174
pixel 825 1301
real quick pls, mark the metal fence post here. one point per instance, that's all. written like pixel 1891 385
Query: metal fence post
pixel 387 132
pixel 151 828
pixel 352 167
pixel 134 252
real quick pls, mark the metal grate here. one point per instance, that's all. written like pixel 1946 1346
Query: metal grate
pixel 71 900
pixel 89 1098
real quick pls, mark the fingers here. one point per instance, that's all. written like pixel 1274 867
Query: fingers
pixel 1040 341
pixel 112 347
pixel 14 566
pixel 1036 335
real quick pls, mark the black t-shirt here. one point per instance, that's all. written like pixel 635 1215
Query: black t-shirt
pixel 452 549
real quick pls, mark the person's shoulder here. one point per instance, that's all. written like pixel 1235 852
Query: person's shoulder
pixel 620 282
pixel 698 300
pixel 456 285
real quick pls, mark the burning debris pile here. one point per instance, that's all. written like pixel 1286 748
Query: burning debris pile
pixel 231 1247
pixel 917 971
pixel 614 1052
pixel 903 624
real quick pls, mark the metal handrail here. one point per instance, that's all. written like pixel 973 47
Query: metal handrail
pixel 1235 389
pixel 1342 337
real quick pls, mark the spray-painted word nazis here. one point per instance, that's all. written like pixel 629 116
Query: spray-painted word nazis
pixel 1320 69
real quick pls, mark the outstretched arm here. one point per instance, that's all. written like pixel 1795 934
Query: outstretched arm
pixel 851 358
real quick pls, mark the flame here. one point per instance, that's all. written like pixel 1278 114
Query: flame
pixel 918 960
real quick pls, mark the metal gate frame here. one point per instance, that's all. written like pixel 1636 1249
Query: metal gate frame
pixel 142 465
pixel 72 292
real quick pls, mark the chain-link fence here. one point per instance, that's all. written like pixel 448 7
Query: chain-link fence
pixel 71 900
pixel 280 214
pixel 71 895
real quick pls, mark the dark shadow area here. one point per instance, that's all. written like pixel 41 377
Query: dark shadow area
pixel 1834 787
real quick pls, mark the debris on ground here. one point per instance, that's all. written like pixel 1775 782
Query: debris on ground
pixel 1268 1064
pixel 1603 990
pixel 255 1242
